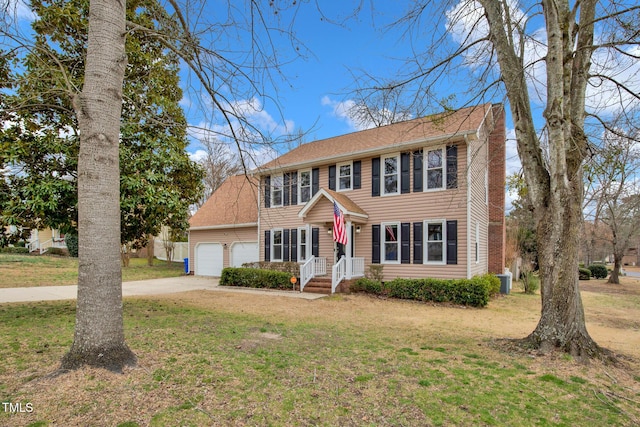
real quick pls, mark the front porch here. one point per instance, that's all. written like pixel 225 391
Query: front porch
pixel 314 271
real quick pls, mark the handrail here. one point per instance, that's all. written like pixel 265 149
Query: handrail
pixel 33 245
pixel 338 273
pixel 307 272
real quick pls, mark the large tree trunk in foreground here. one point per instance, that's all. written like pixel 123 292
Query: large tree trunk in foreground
pixel 99 333
pixel 553 174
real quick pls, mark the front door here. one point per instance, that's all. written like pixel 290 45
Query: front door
pixel 338 251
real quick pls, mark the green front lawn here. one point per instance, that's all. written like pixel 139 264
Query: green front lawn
pixel 32 270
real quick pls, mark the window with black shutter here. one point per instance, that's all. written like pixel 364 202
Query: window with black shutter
pixel 332 177
pixel 417 171
pixel 285 245
pixel 405 173
pixel 357 172
pixel 294 244
pixel 405 242
pixel 452 167
pixel 267 245
pixel 315 181
pixel 417 243
pixel 315 242
pixel 267 191
pixel 452 242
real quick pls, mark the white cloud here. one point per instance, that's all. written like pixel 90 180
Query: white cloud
pixel 18 9
pixel 466 24
pixel 360 117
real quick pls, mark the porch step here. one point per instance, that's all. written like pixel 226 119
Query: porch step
pixel 318 285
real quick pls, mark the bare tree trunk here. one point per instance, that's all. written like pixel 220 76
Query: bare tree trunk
pixel 99 332
pixel 151 247
pixel 614 279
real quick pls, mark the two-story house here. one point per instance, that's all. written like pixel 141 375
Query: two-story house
pixel 422 198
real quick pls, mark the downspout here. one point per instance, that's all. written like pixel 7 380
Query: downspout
pixel 259 201
pixel 466 140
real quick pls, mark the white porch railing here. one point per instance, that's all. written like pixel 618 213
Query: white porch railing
pixel 338 273
pixel 357 267
pixel 33 245
pixel 311 268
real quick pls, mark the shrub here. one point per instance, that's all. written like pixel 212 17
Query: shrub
pixel 293 268
pixel 367 285
pixel 584 274
pixel 473 292
pixel 531 283
pixel 599 271
pixel 375 272
pixel 71 240
pixel 57 251
pixel 14 250
pixel 255 278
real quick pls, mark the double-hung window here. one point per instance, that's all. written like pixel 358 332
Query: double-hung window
pixel 391 174
pixel 276 245
pixel 435 241
pixel 304 187
pixel 390 242
pixel 276 190
pixel 345 176
pixel 303 243
pixel 435 169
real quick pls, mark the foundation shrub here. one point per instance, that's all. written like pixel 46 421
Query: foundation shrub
pixel 584 274
pixel 598 271
pixel 255 278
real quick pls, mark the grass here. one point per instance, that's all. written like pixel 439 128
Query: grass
pixel 30 270
pixel 202 367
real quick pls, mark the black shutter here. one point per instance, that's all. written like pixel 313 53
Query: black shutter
pixel 417 243
pixel 405 242
pixel 294 245
pixel 357 174
pixel 315 242
pixel 375 244
pixel 452 242
pixel 405 173
pixel 267 245
pixel 452 166
pixel 285 245
pixel 315 181
pixel 267 191
pixel 417 171
pixel 332 177
pixel 285 191
pixel 294 187
pixel 375 177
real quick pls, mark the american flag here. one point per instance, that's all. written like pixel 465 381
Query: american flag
pixel 339 232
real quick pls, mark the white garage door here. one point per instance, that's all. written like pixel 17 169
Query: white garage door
pixel 208 259
pixel 243 252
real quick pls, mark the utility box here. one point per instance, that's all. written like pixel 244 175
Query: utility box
pixel 505 282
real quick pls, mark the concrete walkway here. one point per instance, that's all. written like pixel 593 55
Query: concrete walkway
pixel 169 285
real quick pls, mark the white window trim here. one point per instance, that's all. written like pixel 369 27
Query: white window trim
pixel 383 227
pixel 307 244
pixel 272 192
pixel 425 241
pixel 300 202
pixel 273 237
pixel 382 174
pixel 350 164
pixel 425 162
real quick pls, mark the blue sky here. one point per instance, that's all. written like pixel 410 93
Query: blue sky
pixel 314 95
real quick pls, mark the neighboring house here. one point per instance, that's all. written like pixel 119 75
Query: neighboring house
pixel 42 240
pixel 422 198
pixel 224 231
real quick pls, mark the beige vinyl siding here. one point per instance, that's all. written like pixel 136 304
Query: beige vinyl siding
pixel 411 207
pixel 223 236
pixel 479 208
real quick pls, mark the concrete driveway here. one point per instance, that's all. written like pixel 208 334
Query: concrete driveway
pixel 169 285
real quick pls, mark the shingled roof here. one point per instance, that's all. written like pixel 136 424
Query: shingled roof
pixel 438 127
pixel 234 203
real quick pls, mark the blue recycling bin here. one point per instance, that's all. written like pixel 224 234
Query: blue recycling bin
pixel 186 266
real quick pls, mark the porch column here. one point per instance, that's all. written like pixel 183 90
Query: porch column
pixel 347 249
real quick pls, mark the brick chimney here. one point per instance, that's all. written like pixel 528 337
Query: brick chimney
pixel 497 181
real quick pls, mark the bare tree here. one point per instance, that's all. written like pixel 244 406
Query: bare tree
pixel 219 163
pixel 613 192
pixel 507 55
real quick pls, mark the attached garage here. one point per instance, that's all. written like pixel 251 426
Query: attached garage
pixel 208 259
pixel 242 252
